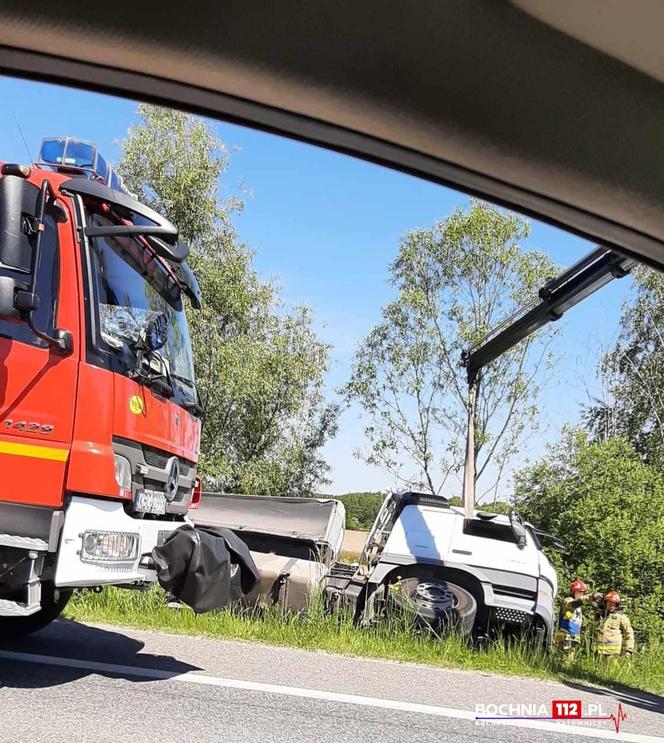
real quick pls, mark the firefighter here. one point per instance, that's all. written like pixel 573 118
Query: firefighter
pixel 568 635
pixel 614 634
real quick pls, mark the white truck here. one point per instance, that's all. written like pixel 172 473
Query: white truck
pixel 478 575
pixel 481 574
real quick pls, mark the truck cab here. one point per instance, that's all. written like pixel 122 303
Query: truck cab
pixel 100 419
pixel 485 573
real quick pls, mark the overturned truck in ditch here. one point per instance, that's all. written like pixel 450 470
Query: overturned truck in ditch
pixel 475 575
pixel 422 556
pixel 452 567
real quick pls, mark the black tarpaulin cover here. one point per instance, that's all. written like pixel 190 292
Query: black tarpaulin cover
pixel 204 567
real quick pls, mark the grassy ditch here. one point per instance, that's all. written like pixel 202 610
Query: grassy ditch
pixel 394 640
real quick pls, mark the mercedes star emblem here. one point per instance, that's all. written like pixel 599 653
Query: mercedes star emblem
pixel 173 469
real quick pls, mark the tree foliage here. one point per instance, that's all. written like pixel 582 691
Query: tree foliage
pixel 454 282
pixel 361 508
pixel 607 506
pixel 632 372
pixel 259 366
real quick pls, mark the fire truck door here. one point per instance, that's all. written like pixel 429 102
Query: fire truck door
pixel 37 384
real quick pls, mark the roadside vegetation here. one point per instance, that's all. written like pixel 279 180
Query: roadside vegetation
pixel 394 640
pixel 453 282
pixel 607 506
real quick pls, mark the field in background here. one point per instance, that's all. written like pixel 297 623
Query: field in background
pixel 396 640
pixel 353 543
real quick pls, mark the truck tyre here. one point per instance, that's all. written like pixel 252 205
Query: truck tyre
pixel 437 603
pixel 53 601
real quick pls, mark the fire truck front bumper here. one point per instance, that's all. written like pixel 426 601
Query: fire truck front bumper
pixel 100 544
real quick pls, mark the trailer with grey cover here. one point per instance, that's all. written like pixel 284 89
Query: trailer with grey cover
pixel 294 542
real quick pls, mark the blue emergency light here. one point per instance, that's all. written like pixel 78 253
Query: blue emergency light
pixel 69 154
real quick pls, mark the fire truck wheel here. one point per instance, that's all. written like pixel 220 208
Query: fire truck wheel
pixel 53 601
pixel 435 603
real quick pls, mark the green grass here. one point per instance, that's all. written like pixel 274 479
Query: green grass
pixel 394 640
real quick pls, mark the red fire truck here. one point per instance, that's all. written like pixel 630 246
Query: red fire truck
pixel 100 420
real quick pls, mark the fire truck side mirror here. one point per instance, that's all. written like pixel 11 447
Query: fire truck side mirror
pixel 18 224
pixel 22 207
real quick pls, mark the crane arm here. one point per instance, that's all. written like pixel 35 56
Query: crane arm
pixel 566 290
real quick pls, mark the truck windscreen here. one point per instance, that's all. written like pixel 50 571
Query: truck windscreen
pixel 131 286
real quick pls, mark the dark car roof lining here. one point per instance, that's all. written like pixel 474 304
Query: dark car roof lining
pixel 482 96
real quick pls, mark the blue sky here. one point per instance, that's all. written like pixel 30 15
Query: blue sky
pixel 326 227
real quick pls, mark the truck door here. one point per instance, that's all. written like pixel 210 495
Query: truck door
pixel 37 384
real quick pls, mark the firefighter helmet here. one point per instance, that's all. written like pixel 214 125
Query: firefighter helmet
pixel 578 585
pixel 612 598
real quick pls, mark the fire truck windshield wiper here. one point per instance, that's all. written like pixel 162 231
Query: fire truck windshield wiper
pixel 182 379
pixel 192 406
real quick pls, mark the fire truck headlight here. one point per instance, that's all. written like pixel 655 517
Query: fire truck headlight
pixel 105 546
pixel 123 472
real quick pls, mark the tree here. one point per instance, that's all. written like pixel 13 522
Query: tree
pixel 259 366
pixel 632 372
pixel 607 506
pixel 454 282
pixel 361 508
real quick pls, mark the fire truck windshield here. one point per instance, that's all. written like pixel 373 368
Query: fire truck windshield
pixel 130 287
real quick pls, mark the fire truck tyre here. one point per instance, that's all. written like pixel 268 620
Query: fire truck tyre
pixel 436 603
pixel 53 601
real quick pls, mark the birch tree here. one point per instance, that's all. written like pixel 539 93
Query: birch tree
pixel 633 371
pixel 453 283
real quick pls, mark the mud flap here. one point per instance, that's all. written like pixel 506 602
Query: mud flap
pixel 205 568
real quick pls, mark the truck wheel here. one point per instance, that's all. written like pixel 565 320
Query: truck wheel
pixel 53 601
pixel 437 603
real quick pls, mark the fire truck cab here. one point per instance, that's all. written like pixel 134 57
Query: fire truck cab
pixel 99 418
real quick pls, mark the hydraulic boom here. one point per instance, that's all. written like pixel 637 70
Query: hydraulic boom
pixel 566 290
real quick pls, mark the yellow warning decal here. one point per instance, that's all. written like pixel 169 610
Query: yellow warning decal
pixel 34 450
pixel 136 404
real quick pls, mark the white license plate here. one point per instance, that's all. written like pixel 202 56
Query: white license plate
pixel 148 501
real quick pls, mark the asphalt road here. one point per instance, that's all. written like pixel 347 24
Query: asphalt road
pixel 76 682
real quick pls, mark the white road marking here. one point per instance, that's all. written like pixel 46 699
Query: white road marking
pixel 328 696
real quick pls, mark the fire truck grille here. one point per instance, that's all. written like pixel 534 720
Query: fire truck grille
pixel 155 458
pixel 158 458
